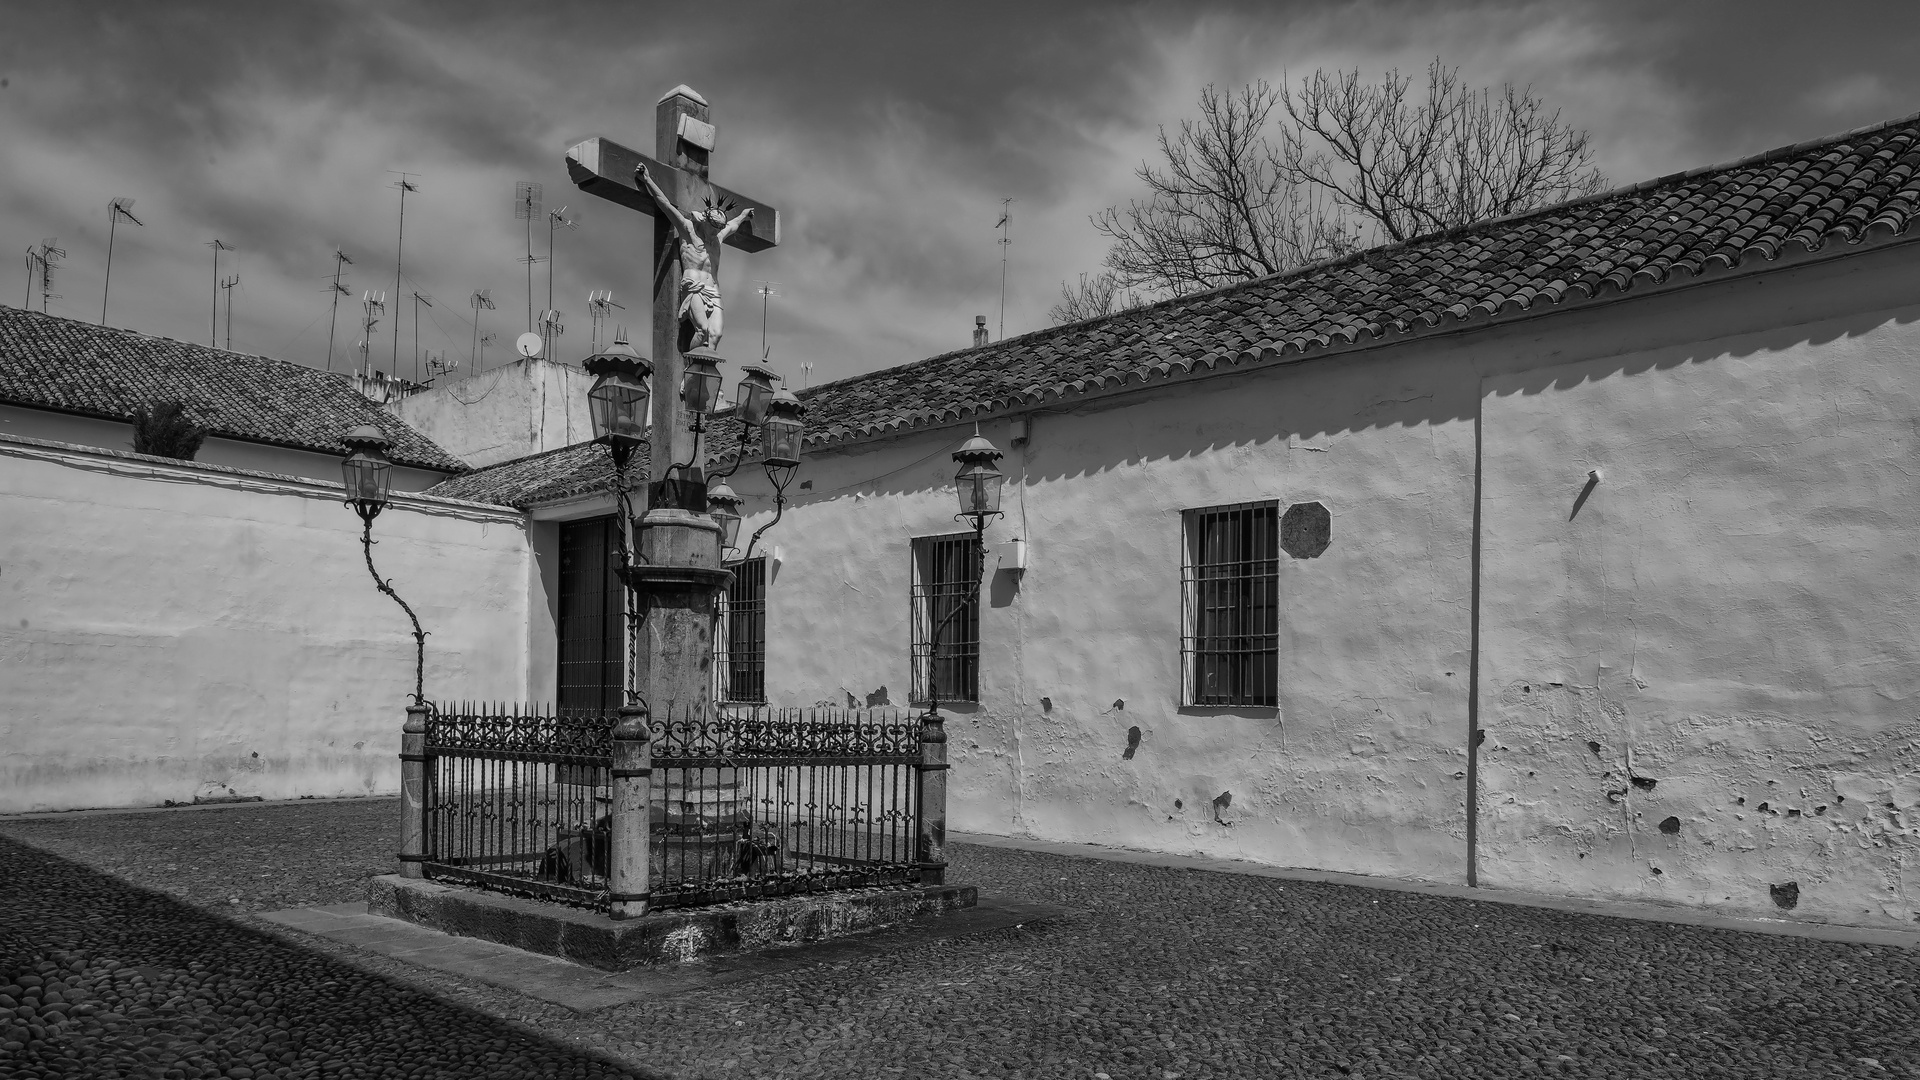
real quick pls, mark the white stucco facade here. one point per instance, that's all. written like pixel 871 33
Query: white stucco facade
pixel 171 630
pixel 1728 615
pixel 520 408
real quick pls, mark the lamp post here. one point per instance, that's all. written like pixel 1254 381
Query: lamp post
pixel 977 484
pixel 368 474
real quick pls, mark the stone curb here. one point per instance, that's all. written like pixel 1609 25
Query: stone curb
pixel 1619 909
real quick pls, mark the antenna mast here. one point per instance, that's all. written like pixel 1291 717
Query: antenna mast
pixel 1006 237
pixel 481 299
pixel 526 206
pixel 372 304
pixel 418 299
pixel 213 331
pixel 405 185
pixel 766 289
pixel 339 259
pixel 41 263
pixel 600 306
pixel 556 219
pixel 228 284
pixel 117 209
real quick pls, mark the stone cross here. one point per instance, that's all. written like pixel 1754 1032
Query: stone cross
pixel 683 143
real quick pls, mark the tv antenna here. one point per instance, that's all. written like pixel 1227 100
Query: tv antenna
pixel 213 331
pixel 766 289
pixel 440 365
pixel 550 328
pixel 374 305
pixel 600 307
pixel 526 207
pixel 405 185
pixel 1005 225
pixel 418 299
pixel 481 300
pixel 227 285
pixel 339 260
pixel 480 346
pixel 806 374
pixel 119 208
pixel 42 261
pixel 556 219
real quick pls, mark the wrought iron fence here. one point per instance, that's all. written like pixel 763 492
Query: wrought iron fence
pixel 734 803
pixel 767 802
pixel 519 799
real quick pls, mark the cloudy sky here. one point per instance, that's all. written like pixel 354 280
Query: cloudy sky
pixel 888 134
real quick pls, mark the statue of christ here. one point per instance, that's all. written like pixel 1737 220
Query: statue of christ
pixel 700 239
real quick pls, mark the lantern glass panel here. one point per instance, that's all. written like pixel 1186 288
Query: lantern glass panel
pixel 368 478
pixel 978 486
pixel 752 396
pixel 698 388
pixel 780 440
pixel 619 407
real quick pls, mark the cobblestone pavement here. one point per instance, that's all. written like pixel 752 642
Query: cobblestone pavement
pixel 1162 974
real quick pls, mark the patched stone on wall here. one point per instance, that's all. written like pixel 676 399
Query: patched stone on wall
pixel 1305 530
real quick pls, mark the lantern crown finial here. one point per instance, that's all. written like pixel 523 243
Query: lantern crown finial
pixel 977 448
pixel 365 437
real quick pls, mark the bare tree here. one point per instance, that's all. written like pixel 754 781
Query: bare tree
pixel 1219 209
pixel 1095 297
pixel 1412 167
pixel 1350 162
pixel 163 430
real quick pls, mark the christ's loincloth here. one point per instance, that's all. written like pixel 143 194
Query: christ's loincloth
pixel 703 291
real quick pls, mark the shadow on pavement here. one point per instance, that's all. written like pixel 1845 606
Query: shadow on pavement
pixel 100 978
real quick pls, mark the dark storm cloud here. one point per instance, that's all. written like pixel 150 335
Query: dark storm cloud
pixel 887 134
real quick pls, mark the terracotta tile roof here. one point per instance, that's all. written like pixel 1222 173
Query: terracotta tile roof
pixel 578 470
pixel 1820 196
pixel 48 362
pixel 1824 195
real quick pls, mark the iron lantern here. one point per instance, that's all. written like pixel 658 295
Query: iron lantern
pixel 700 385
pixel 780 435
pixel 978 482
pixel 618 400
pixel 753 394
pixel 724 507
pixel 367 470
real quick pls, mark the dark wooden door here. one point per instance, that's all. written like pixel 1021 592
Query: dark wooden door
pixel 592 645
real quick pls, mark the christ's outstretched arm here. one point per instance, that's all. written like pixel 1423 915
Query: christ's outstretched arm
pixel 680 223
pixel 734 225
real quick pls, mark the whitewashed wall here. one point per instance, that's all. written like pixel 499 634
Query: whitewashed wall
pixel 171 631
pixel 520 408
pixel 1786 635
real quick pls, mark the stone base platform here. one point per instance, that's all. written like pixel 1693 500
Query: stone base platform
pixel 669 937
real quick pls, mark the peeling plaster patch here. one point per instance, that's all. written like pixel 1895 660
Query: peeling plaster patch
pixel 1046 704
pixel 1787 896
pixel 1119 703
pixel 1670 826
pixel 1221 802
pixel 1178 805
pixel 852 702
pixel 1644 783
pixel 878 697
pixel 1133 742
pixel 1593 746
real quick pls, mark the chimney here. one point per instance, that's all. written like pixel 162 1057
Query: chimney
pixel 979 330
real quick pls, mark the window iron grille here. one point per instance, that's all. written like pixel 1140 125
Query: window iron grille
pixel 740 646
pixel 1230 610
pixel 946 606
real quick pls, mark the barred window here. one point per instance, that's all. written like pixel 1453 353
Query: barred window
pixel 1230 617
pixel 946 618
pixel 740 647
pixel 591 631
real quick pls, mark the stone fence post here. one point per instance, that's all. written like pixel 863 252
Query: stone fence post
pixel 413 792
pixel 627 884
pixel 930 841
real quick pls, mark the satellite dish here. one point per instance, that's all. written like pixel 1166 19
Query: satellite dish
pixel 528 344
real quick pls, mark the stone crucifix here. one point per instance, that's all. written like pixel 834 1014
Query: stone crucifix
pixel 691 223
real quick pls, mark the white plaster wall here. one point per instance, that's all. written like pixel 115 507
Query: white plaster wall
pixel 233 453
pixel 525 407
pixel 168 632
pixel 1356 769
pixel 1715 403
pixel 1730 617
